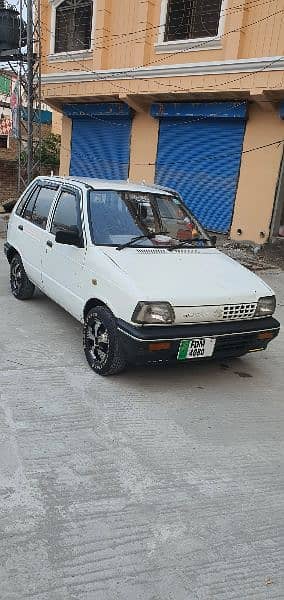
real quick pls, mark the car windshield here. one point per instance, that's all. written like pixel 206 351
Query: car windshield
pixel 118 217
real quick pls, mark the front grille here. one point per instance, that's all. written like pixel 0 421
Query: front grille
pixel 166 251
pixel 187 251
pixel 238 312
pixel 151 250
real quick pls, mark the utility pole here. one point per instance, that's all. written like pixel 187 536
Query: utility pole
pixel 29 84
pixel 22 50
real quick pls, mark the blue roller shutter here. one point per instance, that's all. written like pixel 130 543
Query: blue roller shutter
pixel 100 142
pixel 199 154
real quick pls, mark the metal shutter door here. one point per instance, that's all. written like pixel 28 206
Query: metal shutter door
pixel 100 143
pixel 200 157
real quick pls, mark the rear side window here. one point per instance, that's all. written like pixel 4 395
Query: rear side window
pixel 28 193
pixel 67 214
pixel 38 207
pixel 27 212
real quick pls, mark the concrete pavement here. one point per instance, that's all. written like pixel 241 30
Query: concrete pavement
pixel 159 484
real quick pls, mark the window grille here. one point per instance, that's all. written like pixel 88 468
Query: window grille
pixel 73 26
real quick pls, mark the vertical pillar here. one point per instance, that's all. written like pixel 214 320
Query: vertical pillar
pixel 65 150
pixel 101 29
pixel 233 16
pixel 144 142
pixel 145 33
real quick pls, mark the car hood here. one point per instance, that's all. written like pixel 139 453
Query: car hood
pixel 188 277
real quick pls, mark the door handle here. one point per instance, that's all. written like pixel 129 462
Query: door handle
pixel 49 243
pixel 20 227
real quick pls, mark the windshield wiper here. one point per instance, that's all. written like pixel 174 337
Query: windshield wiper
pixel 186 242
pixel 148 236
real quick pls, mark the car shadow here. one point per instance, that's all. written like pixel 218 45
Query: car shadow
pixel 199 374
pixel 202 375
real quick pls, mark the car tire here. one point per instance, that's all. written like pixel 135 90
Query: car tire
pixel 21 287
pixel 102 346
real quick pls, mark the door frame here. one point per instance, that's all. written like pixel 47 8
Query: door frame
pixel 278 203
pixel 78 192
pixel 52 291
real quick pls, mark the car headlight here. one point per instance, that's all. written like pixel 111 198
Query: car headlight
pixel 265 306
pixel 153 312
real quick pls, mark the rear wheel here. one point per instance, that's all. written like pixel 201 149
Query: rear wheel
pixel 101 342
pixel 22 288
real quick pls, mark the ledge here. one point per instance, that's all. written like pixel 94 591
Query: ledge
pixel 70 56
pixel 189 45
pixel 251 65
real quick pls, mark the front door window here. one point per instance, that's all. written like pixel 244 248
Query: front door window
pixel 67 215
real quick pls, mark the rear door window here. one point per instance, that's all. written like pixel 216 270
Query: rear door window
pixel 38 207
pixel 28 194
pixel 27 212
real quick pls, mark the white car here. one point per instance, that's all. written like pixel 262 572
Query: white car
pixel 134 266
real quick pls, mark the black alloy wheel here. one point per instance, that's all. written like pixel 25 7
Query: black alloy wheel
pixel 101 342
pixel 22 288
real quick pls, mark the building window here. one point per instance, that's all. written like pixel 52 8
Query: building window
pixel 192 19
pixel 73 25
pixel 3 141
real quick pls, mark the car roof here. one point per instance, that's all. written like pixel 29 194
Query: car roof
pixel 110 184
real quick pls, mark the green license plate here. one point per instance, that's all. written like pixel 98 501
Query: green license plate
pixel 196 348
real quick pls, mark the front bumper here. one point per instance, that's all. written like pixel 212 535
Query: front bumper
pixel 232 338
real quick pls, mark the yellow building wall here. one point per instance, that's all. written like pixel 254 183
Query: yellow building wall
pixel 125 36
pixel 126 32
pixel 264 26
pixel 143 149
pixel 259 174
pixel 229 86
pixel 56 122
pixel 65 149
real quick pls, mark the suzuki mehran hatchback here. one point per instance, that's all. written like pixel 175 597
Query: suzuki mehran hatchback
pixel 136 268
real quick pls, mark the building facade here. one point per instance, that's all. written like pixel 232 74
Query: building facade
pixel 185 93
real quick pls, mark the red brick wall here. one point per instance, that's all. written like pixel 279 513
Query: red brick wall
pixel 9 178
pixel 10 153
pixel 9 166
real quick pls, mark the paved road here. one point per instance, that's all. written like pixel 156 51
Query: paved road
pixel 154 485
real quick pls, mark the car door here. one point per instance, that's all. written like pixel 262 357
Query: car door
pixel 30 228
pixel 63 265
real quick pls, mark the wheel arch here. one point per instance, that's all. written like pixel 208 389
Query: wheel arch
pixel 92 303
pixel 11 252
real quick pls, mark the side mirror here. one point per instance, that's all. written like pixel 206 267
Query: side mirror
pixel 213 240
pixel 70 238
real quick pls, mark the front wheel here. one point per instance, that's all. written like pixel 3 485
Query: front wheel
pixel 101 342
pixel 22 288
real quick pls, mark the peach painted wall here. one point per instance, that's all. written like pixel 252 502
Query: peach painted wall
pixel 143 150
pixel 56 122
pixel 263 21
pixel 65 150
pixel 126 32
pixel 125 36
pixel 259 174
pixel 215 85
